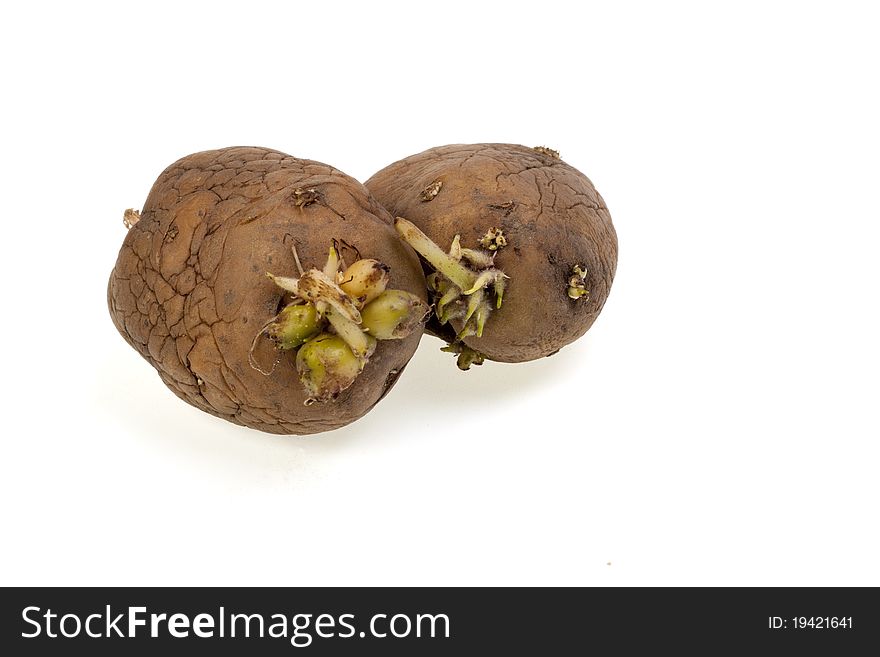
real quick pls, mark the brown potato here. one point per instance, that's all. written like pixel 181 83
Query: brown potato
pixel 557 245
pixel 190 291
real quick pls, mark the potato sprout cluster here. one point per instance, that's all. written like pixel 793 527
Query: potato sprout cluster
pixel 335 319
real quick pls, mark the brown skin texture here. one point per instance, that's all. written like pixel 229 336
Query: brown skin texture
pixel 552 217
pixel 189 290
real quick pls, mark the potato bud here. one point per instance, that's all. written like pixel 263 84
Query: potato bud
pixel 394 314
pixel 365 280
pixel 576 283
pixel 294 325
pixel 326 366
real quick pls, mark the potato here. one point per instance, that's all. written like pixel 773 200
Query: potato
pixel 533 232
pixel 190 292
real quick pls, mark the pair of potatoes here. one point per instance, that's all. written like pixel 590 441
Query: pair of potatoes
pixel 518 256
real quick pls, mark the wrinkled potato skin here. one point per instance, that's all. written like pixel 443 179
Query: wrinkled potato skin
pixel 557 220
pixel 189 290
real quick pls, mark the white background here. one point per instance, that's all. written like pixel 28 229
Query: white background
pixel 718 425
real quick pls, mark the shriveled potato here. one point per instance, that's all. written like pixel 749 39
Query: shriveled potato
pixel 190 289
pixel 522 245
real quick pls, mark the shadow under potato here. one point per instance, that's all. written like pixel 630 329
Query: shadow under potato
pixel 430 385
pixel 432 382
